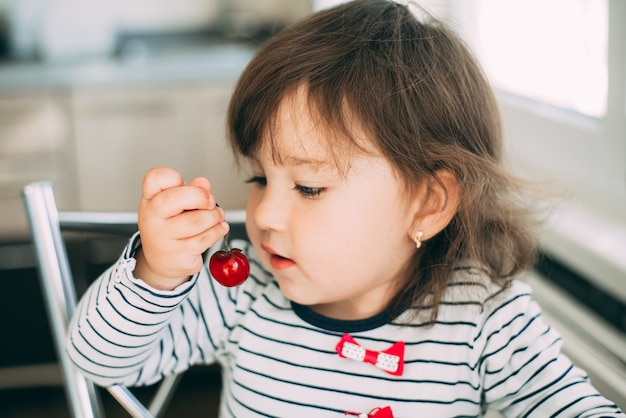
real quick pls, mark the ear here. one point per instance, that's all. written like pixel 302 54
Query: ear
pixel 438 203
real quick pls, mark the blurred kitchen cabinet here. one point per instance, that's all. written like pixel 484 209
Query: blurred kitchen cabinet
pixel 120 133
pixel 35 144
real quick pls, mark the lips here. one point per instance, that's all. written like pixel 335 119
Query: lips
pixel 278 262
pixel 281 263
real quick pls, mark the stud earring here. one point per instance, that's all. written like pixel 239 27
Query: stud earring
pixel 418 238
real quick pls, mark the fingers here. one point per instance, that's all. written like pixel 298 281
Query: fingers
pixel 165 191
pixel 172 248
pixel 197 244
pixel 196 222
pixel 172 202
pixel 158 179
pixel 177 222
pixel 201 182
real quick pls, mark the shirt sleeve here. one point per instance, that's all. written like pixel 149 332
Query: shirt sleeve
pixel 126 332
pixel 525 373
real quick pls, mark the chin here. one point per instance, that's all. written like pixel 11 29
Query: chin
pixel 295 294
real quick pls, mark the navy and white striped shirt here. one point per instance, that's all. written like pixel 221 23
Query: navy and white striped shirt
pixel 488 348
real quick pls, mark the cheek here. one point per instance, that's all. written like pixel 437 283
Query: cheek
pixel 345 239
pixel 377 237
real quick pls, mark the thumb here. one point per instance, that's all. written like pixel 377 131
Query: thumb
pixel 158 179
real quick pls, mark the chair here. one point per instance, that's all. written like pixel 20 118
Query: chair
pixel 58 286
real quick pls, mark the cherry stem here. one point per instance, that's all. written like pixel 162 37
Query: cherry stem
pixel 225 245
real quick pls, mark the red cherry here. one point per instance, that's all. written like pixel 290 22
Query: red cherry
pixel 229 267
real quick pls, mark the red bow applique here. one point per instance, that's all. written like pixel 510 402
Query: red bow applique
pixel 374 413
pixel 391 360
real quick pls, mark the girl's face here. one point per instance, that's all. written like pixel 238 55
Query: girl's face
pixel 335 240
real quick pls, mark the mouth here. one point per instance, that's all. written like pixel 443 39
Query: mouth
pixel 281 263
pixel 278 262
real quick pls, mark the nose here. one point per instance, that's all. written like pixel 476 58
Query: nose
pixel 268 209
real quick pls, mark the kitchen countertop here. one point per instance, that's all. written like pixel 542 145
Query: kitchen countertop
pixel 136 64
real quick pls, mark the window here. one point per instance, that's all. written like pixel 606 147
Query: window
pixel 559 47
pixel 559 70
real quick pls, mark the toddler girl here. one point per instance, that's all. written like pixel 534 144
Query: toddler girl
pixel 385 242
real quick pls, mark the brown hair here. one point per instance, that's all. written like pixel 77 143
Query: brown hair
pixel 426 104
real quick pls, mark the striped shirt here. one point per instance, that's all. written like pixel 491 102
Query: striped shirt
pixel 488 349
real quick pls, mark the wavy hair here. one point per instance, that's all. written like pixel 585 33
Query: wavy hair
pixel 427 105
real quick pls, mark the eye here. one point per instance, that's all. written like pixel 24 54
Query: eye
pixel 258 180
pixel 309 192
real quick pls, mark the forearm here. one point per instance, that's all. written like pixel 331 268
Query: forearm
pixel 122 332
pixel 525 373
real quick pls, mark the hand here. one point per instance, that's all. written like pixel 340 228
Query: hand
pixel 177 223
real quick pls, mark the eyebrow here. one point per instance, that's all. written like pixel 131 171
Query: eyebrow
pixel 294 161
